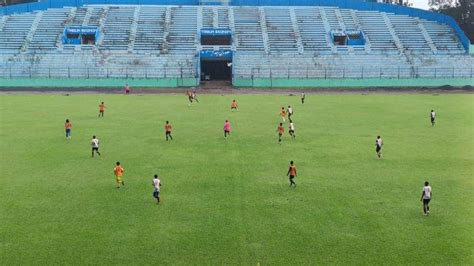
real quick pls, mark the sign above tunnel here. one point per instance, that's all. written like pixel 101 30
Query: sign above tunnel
pixel 216 32
pixel 216 36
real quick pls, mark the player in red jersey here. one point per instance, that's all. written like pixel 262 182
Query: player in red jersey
pixel 280 130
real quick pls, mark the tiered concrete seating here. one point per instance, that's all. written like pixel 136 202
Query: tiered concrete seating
pixel 281 36
pixel 375 29
pixel 14 31
pixel 49 29
pixel 248 29
pixel 311 27
pixel 150 28
pixel 183 30
pixel 443 38
pixel 223 17
pixel 207 17
pixel 278 42
pixel 117 27
pixel 409 33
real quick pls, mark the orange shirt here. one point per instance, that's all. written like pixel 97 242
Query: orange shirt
pixel 280 129
pixel 118 170
pixel 283 113
pixel 189 94
pixel 68 125
pixel 233 105
pixel 292 170
pixel 101 107
pixel 168 127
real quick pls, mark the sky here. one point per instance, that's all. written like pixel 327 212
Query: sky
pixel 423 4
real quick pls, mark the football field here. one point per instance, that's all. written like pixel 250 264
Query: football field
pixel 228 201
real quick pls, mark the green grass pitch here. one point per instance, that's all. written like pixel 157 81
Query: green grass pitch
pixel 229 201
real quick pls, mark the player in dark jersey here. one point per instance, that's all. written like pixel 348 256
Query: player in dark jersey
pixel 292 173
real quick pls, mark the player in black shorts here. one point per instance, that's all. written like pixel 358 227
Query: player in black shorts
pixel 378 146
pixel 292 173
pixel 433 118
pixel 95 145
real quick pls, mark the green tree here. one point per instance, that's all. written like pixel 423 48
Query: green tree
pixel 461 10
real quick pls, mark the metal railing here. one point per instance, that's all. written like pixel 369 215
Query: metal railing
pixel 271 72
pixel 13 72
pixel 301 72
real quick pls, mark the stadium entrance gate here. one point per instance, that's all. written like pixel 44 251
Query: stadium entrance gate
pixel 216 65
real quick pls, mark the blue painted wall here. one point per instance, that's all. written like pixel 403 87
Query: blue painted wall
pixel 349 4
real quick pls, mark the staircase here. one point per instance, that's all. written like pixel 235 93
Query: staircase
pixel 296 30
pixel 3 20
pixel 166 30
pixel 427 37
pixel 215 18
pixel 340 20
pixel 395 38
pixel 199 26
pixel 263 27
pixel 235 40
pixel 357 23
pixel 69 19
pixel 87 16
pixel 102 19
pixel 327 28
pixel 32 31
pixel 133 29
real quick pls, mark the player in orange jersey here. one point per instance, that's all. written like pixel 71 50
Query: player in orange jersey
pixel 292 173
pixel 283 113
pixel 168 128
pixel 226 128
pixel 101 109
pixel 280 130
pixel 194 95
pixel 190 97
pixel 68 127
pixel 234 106
pixel 118 171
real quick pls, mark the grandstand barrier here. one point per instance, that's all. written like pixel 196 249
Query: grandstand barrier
pixel 471 49
pixel 291 72
pixel 351 83
pixel 69 84
pixel 68 72
pixel 114 83
pixel 349 4
pixel 274 77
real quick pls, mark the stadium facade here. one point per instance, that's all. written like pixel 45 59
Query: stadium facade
pixel 297 43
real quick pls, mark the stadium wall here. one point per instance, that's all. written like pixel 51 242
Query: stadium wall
pixel 349 4
pixel 352 83
pixel 38 83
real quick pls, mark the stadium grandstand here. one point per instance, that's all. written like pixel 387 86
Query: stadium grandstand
pixel 246 43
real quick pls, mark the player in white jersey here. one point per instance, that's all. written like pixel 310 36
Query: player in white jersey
pixel 290 112
pixel 426 197
pixel 95 145
pixel 156 188
pixel 433 118
pixel 378 146
pixel 291 129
